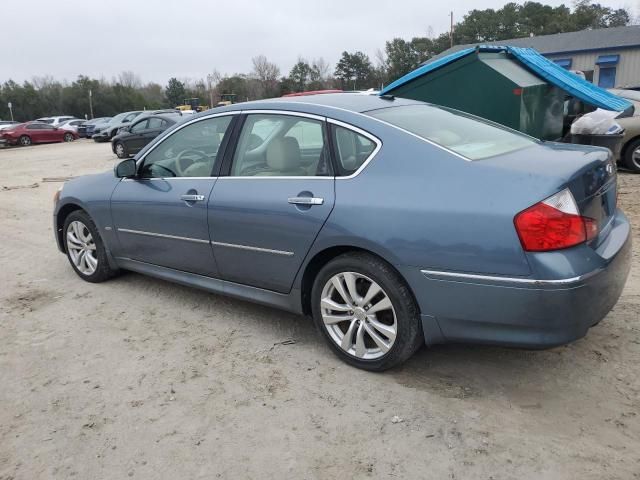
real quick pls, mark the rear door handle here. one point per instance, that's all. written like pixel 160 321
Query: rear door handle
pixel 306 200
pixel 192 198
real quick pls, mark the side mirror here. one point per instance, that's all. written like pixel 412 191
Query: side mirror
pixel 126 168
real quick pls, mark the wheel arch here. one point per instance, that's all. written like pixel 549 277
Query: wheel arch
pixel 61 217
pixel 321 258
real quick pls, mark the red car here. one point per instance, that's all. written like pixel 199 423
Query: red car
pixel 35 132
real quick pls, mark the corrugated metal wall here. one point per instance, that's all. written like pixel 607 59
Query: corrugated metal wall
pixel 627 70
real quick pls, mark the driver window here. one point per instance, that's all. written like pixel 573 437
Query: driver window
pixel 189 152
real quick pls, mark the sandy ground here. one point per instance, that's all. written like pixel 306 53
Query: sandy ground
pixel 141 378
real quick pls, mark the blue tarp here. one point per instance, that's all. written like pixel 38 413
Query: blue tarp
pixel 539 65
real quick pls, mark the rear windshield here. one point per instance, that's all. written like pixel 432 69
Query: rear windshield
pixel 456 131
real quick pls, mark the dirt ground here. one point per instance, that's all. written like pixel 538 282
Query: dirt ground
pixel 142 378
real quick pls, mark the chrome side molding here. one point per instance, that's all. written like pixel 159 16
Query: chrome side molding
pixel 254 249
pixel 453 276
pixel 162 235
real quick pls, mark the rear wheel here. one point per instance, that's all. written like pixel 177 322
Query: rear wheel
pixel 121 150
pixel 25 140
pixel 68 137
pixel 85 249
pixel 366 312
pixel 632 156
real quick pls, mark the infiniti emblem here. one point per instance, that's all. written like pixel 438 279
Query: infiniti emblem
pixel 609 169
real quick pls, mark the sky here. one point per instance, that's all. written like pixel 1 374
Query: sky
pixel 160 39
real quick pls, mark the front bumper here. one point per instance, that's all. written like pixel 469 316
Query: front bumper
pixel 525 312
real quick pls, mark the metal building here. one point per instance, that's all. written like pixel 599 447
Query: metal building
pixel 609 57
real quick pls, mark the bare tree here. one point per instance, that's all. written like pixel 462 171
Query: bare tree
pixel 320 68
pixel 264 70
pixel 266 73
pixel 129 79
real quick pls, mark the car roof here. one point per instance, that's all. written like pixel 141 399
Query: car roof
pixel 355 102
pixel 167 116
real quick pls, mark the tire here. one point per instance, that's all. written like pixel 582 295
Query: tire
pixel 79 226
pixel 401 317
pixel 24 141
pixel 631 161
pixel 68 137
pixel 120 150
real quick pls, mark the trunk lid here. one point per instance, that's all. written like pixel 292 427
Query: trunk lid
pixel 548 167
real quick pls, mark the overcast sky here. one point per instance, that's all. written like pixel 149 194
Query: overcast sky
pixel 158 39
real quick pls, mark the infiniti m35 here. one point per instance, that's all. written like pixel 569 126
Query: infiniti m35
pixel 392 223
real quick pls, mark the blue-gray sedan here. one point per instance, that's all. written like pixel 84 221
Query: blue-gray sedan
pixel 391 222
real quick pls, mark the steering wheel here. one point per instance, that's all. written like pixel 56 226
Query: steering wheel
pixel 180 168
pixel 157 165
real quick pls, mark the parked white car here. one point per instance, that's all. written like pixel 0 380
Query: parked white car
pixel 7 123
pixel 71 125
pixel 55 121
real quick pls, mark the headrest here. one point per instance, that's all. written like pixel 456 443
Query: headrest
pixel 283 154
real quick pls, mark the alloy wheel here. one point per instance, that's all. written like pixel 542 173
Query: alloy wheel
pixel 82 248
pixel 120 150
pixel 635 157
pixel 358 315
pixel 68 137
pixel 25 141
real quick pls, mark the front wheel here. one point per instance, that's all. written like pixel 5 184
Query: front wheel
pixel 120 150
pixel 85 249
pixel 631 158
pixel 24 140
pixel 366 312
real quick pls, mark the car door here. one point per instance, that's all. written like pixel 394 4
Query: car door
pixel 160 217
pixel 134 140
pixel 274 194
pixel 155 127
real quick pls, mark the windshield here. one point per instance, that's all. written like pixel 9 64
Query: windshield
pixel 454 130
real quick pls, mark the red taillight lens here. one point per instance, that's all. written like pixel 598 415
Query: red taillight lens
pixel 554 224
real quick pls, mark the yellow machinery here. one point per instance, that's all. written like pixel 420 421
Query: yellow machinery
pixel 192 104
pixel 226 99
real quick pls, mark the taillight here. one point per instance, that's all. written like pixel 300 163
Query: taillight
pixel 553 224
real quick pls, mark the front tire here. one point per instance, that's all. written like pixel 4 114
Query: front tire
pixel 366 312
pixel 121 150
pixel 631 158
pixel 24 140
pixel 85 248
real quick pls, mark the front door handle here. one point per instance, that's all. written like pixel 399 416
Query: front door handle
pixel 306 200
pixel 192 198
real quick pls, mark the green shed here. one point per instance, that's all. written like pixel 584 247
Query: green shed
pixel 514 87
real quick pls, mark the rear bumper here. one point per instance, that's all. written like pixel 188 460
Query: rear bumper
pixel 526 312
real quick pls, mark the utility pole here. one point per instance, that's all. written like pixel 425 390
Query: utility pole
pixel 91 103
pixel 9 104
pixel 451 29
pixel 210 80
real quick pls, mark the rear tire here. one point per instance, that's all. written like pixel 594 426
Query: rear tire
pixel 397 325
pixel 631 158
pixel 68 137
pixel 85 249
pixel 24 140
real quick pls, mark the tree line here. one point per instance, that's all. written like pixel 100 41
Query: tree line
pixel 44 96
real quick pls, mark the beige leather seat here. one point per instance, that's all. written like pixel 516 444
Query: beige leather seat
pixel 284 159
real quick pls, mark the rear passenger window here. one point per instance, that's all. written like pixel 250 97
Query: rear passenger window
pixel 352 149
pixel 274 145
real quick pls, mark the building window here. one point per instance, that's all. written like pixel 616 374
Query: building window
pixel 607 70
pixel 563 62
pixel 607 77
